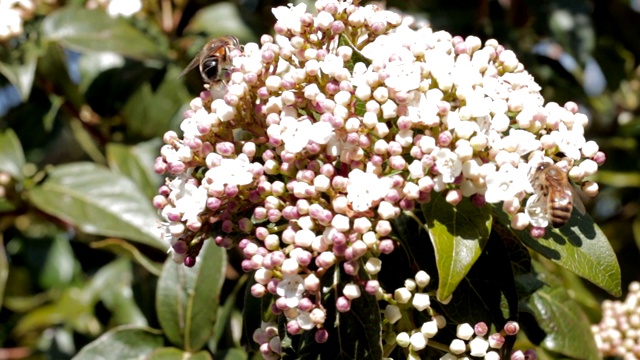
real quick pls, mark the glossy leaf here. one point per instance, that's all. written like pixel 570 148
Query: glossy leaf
pixel 21 72
pixel 579 246
pixel 187 299
pixel 93 30
pixel 125 342
pixel 98 202
pixel 458 233
pixel 567 327
pixel 11 154
pixel 136 162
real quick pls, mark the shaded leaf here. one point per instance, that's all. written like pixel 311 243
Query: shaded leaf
pixel 4 269
pixel 579 246
pixel 458 233
pixel 11 154
pixel 93 30
pixel 220 19
pixel 119 246
pixel 98 202
pixel 21 73
pixel 136 162
pixel 148 112
pixel 60 264
pixel 567 328
pixel 125 342
pixel 187 299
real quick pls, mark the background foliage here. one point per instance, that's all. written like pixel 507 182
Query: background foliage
pixel 84 98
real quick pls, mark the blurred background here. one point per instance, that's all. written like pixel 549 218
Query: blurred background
pixel 96 83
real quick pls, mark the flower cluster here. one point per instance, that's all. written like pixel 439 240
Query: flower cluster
pixel 329 130
pixel 12 15
pixel 618 333
pixel 115 8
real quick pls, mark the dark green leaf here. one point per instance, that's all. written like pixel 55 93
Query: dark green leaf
pixel 220 19
pixel 233 354
pixel 98 202
pixel 125 342
pixel 136 162
pixel 122 247
pixel 22 71
pixel 93 30
pixel 60 264
pixel 187 299
pixel 148 113
pixel 226 319
pixel 579 246
pixel 11 154
pixel 458 233
pixel 567 327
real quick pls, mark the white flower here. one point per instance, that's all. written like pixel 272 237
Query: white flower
pixel 298 133
pixel 448 163
pixel 304 320
pixel 289 16
pixel 124 7
pixel 364 189
pixel 291 288
pixel 536 208
pixel 507 182
pixel 569 142
pixel 403 76
pixel 231 172
pixel 331 64
pixel 189 199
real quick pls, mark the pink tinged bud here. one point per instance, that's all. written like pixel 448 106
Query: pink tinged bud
pixel 293 327
pixel 312 283
pixel 190 261
pixel 304 258
pixel 386 246
pixel 537 232
pixel 258 290
pixel 511 328
pixel 325 260
pixel 481 329
pixel 532 355
pixel 305 304
pixel 496 341
pixel 321 336
pixel 351 267
pixel 372 287
pixel 359 249
pixel 179 247
pixel 343 304
pixel 518 355
pixel 444 138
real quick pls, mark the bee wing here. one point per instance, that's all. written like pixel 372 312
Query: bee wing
pixel 192 65
pixel 577 203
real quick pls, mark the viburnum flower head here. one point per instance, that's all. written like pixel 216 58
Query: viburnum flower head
pixel 332 128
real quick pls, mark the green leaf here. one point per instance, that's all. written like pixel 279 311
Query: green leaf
pixel 22 71
pixel 458 233
pixel 121 247
pixel 125 342
pixel 567 328
pixel 148 113
pixel 218 20
pixel 93 30
pixel 170 353
pixel 60 264
pixel 579 246
pixel 187 299
pixel 11 154
pixel 136 162
pixel 98 201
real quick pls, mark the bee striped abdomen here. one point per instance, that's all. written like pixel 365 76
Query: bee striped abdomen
pixel 560 208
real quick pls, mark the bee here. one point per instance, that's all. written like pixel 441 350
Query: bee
pixel 213 60
pixel 555 194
